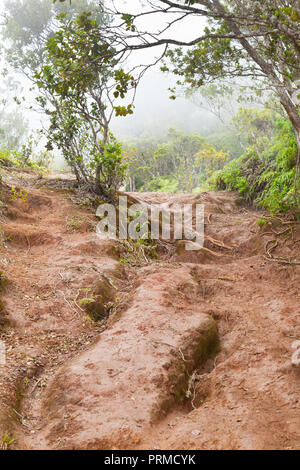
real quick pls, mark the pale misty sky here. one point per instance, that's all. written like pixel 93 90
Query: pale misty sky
pixel 153 108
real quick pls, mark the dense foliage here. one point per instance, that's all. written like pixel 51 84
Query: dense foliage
pixel 266 176
pixel 80 82
pixel 39 161
pixel 180 163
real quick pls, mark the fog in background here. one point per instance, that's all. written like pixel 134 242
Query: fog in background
pixel 154 112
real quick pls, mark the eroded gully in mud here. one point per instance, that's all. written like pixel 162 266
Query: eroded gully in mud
pixel 196 351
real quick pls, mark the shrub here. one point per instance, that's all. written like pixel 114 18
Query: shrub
pixel 268 179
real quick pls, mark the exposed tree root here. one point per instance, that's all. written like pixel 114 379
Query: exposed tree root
pixel 218 243
pixel 278 259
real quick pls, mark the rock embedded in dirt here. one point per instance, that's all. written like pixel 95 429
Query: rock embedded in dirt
pixel 296 358
pixel 296 354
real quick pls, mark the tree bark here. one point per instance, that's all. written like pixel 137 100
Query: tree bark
pixel 98 186
pixel 286 101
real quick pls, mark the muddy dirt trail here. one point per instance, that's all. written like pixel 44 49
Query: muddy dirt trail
pixel 108 347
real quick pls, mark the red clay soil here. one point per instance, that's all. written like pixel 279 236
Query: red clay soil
pixel 195 354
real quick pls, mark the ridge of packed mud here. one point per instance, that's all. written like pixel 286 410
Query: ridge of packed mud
pixel 176 351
